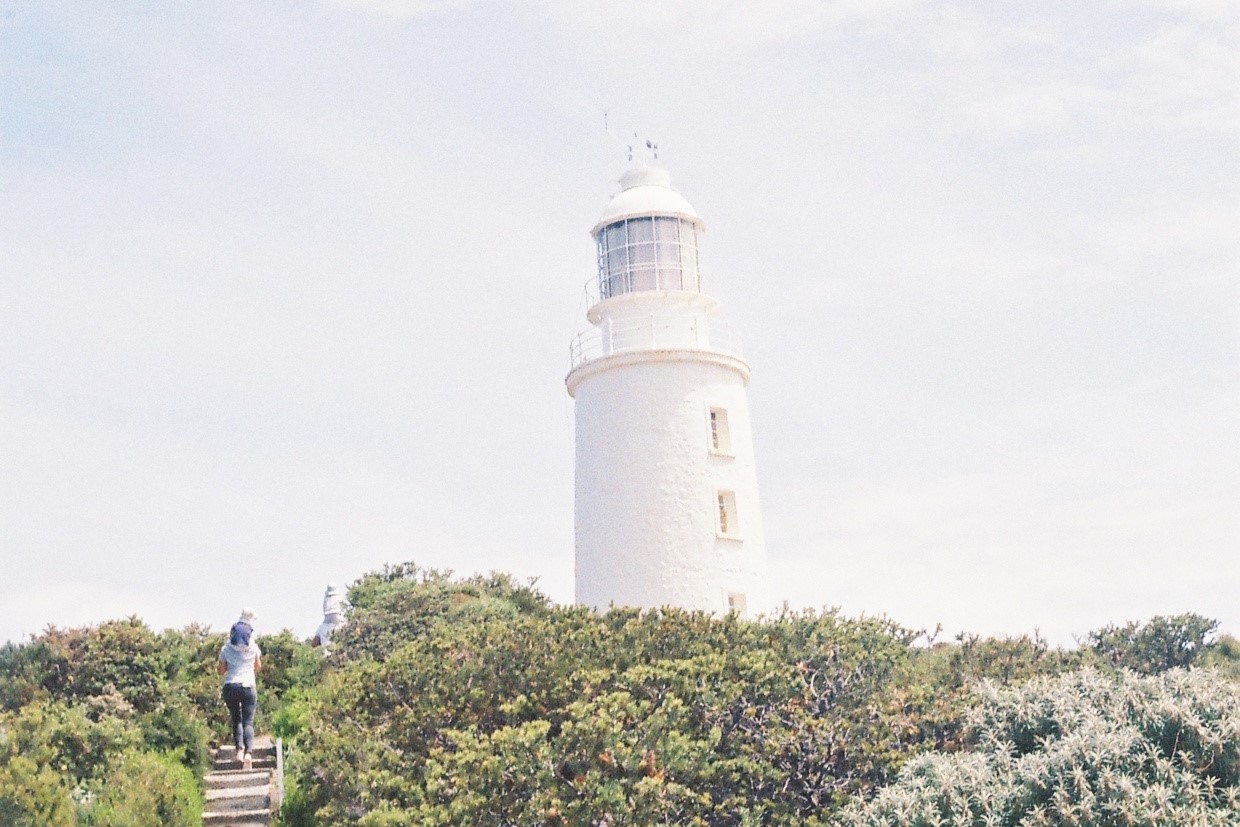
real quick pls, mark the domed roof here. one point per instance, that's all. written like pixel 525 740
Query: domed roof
pixel 646 190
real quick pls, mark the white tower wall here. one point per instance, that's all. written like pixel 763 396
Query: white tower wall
pixel 667 510
pixel 648 485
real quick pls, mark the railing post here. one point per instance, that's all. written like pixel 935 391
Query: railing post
pixel 610 340
pixel 279 774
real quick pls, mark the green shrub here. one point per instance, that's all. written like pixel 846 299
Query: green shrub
pixel 476 701
pixel 291 719
pixel 1223 656
pixel 289 666
pixel 1156 645
pixel 119 656
pixel 33 795
pixel 146 789
pixel 178 729
pixel 403 602
pixel 191 654
pixel 491 707
pixel 1088 749
pixel 297 810
pixel 63 738
pixel 25 669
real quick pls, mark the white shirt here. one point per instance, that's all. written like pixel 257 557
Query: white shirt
pixel 240 662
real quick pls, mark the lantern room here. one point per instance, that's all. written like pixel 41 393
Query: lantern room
pixel 648 238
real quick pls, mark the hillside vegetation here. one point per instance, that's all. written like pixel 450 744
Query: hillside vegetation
pixel 477 702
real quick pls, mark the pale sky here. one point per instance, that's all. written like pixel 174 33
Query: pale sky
pixel 286 292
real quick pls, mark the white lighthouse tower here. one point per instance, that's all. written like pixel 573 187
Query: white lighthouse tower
pixel 667 507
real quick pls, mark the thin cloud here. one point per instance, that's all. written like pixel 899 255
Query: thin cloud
pixel 1040 109
pixel 1214 11
pixel 1186 77
pixel 401 9
pixel 704 26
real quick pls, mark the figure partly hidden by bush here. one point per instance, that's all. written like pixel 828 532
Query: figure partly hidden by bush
pixel 334 608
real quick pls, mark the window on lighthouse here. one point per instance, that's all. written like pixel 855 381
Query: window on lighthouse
pixel 720 436
pixel 649 253
pixel 728 525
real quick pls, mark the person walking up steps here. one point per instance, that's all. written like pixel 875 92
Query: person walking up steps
pixel 239 661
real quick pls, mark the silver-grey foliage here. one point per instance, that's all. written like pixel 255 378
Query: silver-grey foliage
pixel 1086 749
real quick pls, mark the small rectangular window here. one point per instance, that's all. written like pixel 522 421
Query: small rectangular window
pixel 736 602
pixel 729 526
pixel 720 434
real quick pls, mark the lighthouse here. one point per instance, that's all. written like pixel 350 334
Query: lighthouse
pixel 666 494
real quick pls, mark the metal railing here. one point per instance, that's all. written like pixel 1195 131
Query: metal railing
pixel 640 281
pixel 278 779
pixel 653 332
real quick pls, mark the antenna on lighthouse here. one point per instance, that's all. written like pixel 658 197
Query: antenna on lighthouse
pixel 651 148
pixel 628 146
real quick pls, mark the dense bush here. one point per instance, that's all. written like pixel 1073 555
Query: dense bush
pixel 34 795
pixel 290 666
pixel 1223 656
pixel 477 701
pixel 65 739
pixel 145 789
pixel 1088 749
pixel 60 766
pixel 1154 646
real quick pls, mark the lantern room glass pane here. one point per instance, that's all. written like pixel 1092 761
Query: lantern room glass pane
pixel 667 229
pixel 617 260
pixel 641 230
pixel 642 267
pixel 669 266
pixel 615 236
pixel 689 261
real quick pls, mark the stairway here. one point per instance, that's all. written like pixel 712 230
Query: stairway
pixel 240 797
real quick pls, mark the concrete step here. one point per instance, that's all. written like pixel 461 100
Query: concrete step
pixel 238 795
pixel 233 765
pixel 236 778
pixel 260 744
pixel 258 752
pixel 239 818
pixel 231 799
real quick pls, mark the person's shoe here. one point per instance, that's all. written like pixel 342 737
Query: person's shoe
pixel 240 754
pixel 247 763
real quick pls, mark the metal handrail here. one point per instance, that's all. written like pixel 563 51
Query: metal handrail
pixel 653 332
pixel 279 777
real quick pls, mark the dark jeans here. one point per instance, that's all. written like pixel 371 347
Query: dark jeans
pixel 242 701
